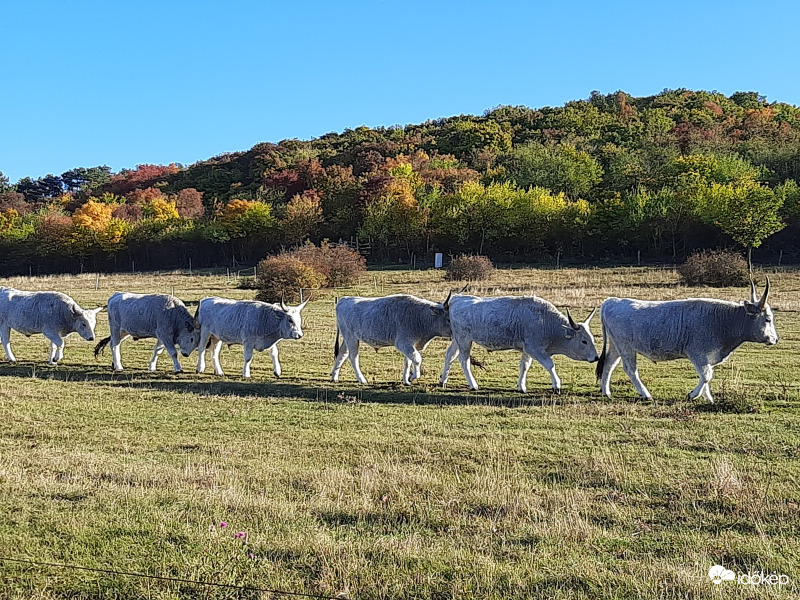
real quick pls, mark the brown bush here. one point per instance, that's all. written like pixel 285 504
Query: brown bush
pixel 469 268
pixel 339 265
pixel 716 268
pixel 282 276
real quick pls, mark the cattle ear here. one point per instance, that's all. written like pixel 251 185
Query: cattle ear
pixel 569 332
pixel 752 309
pixel 77 311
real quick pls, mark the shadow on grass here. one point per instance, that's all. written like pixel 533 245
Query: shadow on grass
pixel 322 391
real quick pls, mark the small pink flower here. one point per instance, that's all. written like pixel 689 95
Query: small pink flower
pixel 252 555
pixel 240 535
pixel 223 524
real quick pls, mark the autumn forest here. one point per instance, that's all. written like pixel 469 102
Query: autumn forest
pixel 609 178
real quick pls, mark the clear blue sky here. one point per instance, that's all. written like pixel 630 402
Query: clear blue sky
pixel 124 83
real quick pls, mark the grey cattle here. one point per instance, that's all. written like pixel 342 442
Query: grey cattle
pixel 704 330
pixel 159 316
pixel 406 322
pixel 526 323
pixel 54 314
pixel 253 324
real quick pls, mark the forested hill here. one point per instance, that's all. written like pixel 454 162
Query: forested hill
pixel 605 177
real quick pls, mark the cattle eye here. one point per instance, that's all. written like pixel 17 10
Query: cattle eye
pixel 584 342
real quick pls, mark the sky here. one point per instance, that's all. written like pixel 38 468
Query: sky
pixel 126 83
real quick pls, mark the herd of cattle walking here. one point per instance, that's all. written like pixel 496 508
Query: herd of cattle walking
pixel 705 331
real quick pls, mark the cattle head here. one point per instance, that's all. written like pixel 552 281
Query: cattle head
pixel 441 318
pixel 292 323
pixel 760 324
pixel 578 340
pixel 188 336
pixel 84 321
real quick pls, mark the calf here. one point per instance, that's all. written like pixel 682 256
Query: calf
pixel 53 314
pixel 159 316
pixel 253 324
pixel 525 323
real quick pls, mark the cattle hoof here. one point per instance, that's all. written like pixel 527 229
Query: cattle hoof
pixel 557 391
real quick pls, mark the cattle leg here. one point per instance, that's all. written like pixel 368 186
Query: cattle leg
pixel 56 347
pixel 706 373
pixel 413 359
pixel 116 355
pixel 157 350
pixel 276 365
pixel 339 361
pixel 546 361
pixel 463 358
pixel 215 357
pixel 205 336
pixel 612 359
pixel 352 346
pixel 525 362
pixel 248 358
pixel 449 357
pixel 5 336
pixel 172 350
pixel 629 365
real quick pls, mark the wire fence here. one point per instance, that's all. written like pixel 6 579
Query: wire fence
pixel 244 588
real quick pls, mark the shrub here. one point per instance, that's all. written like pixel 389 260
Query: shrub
pixel 714 267
pixel 469 268
pixel 282 276
pixel 339 265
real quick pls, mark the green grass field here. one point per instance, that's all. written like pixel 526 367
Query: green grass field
pixel 383 491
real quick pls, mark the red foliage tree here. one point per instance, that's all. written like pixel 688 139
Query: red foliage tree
pixel 142 176
pixel 189 203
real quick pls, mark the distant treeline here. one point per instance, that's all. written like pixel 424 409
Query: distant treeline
pixel 602 178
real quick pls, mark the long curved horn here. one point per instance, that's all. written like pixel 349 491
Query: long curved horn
pixel 572 323
pixel 284 308
pixel 446 303
pixel 303 305
pixel 464 289
pixel 752 292
pixel 763 300
pixel 589 318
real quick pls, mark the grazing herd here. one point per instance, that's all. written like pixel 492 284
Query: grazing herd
pixel 704 331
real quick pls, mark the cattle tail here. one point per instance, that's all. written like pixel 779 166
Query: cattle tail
pixel 598 371
pixel 336 345
pixel 101 345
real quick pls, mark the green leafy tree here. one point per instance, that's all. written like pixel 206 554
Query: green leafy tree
pixel 749 213
pixel 558 168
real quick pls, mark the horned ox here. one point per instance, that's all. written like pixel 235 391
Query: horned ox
pixel 159 316
pixel 525 323
pixel 406 322
pixel 53 314
pixel 253 324
pixel 704 330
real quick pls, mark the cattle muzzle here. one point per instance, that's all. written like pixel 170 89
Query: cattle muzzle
pixel 186 354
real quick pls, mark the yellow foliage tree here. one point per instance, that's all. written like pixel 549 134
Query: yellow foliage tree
pixel 93 215
pixel 160 209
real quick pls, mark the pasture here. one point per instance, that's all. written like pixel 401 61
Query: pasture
pixel 384 491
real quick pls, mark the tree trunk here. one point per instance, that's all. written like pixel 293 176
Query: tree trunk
pixel 750 261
